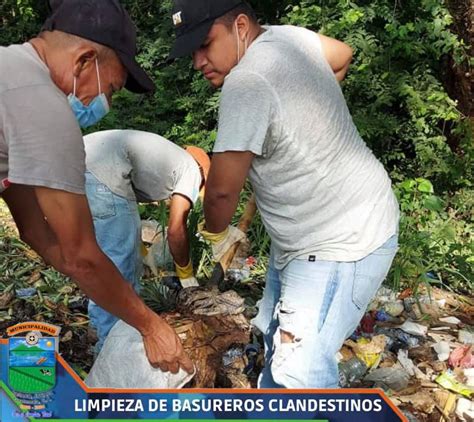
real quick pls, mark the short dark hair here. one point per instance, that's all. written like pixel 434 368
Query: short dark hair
pixel 244 8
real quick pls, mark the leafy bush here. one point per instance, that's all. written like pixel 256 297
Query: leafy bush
pixel 436 239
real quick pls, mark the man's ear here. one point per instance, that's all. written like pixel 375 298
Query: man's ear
pixel 243 24
pixel 84 59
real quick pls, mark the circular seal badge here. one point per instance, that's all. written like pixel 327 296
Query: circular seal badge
pixel 33 338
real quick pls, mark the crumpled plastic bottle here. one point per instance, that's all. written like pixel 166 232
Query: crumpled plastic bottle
pixel 350 371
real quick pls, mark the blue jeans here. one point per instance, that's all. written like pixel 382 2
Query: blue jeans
pixel 320 304
pixel 118 232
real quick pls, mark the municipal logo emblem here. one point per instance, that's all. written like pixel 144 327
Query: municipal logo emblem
pixel 32 349
pixel 32 363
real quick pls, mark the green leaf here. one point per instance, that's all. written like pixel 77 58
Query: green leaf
pixel 425 186
pixel 448 232
pixel 408 185
pixel 434 203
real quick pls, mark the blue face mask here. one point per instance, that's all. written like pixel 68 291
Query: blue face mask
pixel 89 115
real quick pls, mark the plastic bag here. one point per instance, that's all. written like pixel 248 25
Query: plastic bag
pixel 122 364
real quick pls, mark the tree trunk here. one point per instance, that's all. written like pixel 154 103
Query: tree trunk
pixel 460 78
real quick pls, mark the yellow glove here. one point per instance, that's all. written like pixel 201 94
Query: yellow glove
pixel 221 242
pixel 212 237
pixel 184 272
pixel 143 250
pixel 186 275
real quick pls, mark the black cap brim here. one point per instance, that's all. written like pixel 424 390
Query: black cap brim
pixel 188 43
pixel 137 81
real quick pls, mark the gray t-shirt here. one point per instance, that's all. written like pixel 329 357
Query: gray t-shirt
pixel 40 139
pixel 141 165
pixel 319 189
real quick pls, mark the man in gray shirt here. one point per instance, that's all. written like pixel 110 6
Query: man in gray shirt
pixel 129 166
pixel 63 77
pixel 324 198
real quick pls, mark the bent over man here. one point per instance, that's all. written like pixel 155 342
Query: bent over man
pixel 125 167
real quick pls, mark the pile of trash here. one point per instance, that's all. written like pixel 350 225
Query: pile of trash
pixel 419 349
pixel 215 334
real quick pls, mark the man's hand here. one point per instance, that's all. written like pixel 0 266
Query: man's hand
pixel 222 242
pixel 164 349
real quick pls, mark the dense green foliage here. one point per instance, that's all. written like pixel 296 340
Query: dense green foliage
pixel 395 93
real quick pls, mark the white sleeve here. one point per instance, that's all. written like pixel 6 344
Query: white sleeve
pixel 247 109
pixel 188 182
pixel 45 146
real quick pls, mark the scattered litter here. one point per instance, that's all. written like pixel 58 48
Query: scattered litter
pixel 443 350
pixel 439 337
pixel 346 353
pixel 66 337
pixel 231 355
pixel 424 305
pixel 442 396
pixel 251 351
pixel 410 416
pixel 469 374
pixel 448 381
pixel 394 309
pixel 238 275
pixel 382 316
pixel 439 366
pixel 450 320
pixel 405 294
pixel 25 293
pixel 449 406
pixel 465 410
pixel 421 401
pixel 462 357
pixel 369 351
pixel 352 370
pixel 394 378
pixel 157 256
pixel 397 339
pixel 367 323
pixel 414 329
pixel 409 366
pixel 151 229
pixel 385 295
pixel 466 336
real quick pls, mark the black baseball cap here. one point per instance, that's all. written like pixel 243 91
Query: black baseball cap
pixel 105 22
pixel 192 20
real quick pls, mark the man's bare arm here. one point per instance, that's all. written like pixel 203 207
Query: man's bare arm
pixel 178 239
pixel 69 244
pixel 227 177
pixel 338 55
pixel 31 223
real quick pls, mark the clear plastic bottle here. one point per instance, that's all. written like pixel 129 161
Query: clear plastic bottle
pixel 352 370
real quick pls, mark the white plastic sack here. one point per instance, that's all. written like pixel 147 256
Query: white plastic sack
pixel 122 364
